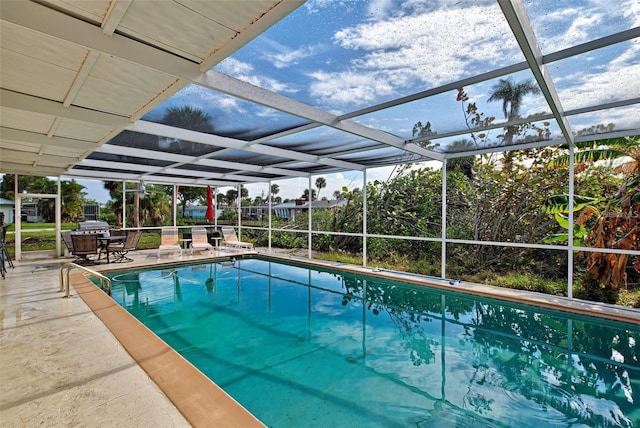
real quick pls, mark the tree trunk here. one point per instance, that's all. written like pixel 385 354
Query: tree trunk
pixel 136 208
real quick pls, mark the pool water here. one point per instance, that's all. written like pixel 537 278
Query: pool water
pixel 303 346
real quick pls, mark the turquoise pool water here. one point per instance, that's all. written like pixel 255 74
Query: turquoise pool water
pixel 301 346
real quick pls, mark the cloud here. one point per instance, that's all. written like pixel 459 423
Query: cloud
pixel 630 10
pixel 292 57
pixel 419 50
pixel 380 9
pixel 244 71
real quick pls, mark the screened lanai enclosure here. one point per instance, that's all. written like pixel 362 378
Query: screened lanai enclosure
pixel 378 98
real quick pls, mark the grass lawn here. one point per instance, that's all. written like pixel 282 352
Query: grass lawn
pixel 35 239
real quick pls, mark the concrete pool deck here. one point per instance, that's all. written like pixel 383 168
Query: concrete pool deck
pixel 82 361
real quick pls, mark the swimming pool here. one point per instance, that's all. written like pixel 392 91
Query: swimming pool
pixel 310 346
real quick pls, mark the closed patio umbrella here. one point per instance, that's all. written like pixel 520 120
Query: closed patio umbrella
pixel 210 214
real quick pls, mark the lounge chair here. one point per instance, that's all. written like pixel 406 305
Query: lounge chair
pixel 120 250
pixel 169 240
pixel 85 245
pixel 231 239
pixel 199 240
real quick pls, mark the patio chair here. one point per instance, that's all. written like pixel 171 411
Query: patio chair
pixel 231 239
pixel 120 250
pixel 169 241
pixel 66 237
pixel 199 240
pixel 4 254
pixel 85 245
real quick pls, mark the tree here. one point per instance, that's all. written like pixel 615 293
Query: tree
pixel 321 183
pixel 115 204
pixel 155 206
pixel 30 184
pixel 73 198
pixel 511 96
pixel 136 206
pixel 305 195
pixel 244 192
pixel 188 117
pixel 464 163
pixel 188 194
pixel 231 196
pixel 274 190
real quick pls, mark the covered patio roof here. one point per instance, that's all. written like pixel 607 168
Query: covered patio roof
pixel 295 89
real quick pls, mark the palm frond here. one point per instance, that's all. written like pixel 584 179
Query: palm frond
pixel 560 203
pixel 589 156
pixel 555 238
pixel 623 143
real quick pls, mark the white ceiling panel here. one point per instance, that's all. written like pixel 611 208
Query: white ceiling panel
pixel 102 95
pixel 41 47
pixel 25 120
pixel 90 9
pixel 128 74
pixel 70 128
pixel 30 75
pixel 157 26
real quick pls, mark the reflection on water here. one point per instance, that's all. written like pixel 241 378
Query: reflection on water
pixel 341 350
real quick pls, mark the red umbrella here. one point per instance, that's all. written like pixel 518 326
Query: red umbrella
pixel 210 214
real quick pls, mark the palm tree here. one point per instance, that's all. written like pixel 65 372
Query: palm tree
pixel 305 195
pixel 511 96
pixel 115 193
pixel 231 195
pixel 244 193
pixel 188 117
pixel 275 189
pixel 321 183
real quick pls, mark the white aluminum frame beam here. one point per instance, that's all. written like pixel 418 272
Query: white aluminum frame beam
pixel 516 15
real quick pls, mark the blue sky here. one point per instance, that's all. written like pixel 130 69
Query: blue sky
pixel 342 55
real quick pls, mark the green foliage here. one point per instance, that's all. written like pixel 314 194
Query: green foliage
pixel 321 183
pixel 524 281
pixel 73 196
pixel 229 215
pixel 109 217
pixel 305 195
pixel 557 204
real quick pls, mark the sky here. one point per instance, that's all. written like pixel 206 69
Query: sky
pixel 344 55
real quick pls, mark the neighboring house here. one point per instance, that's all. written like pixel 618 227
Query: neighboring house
pixel 255 212
pixel 289 210
pixel 198 212
pixel 8 208
pixel 195 211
